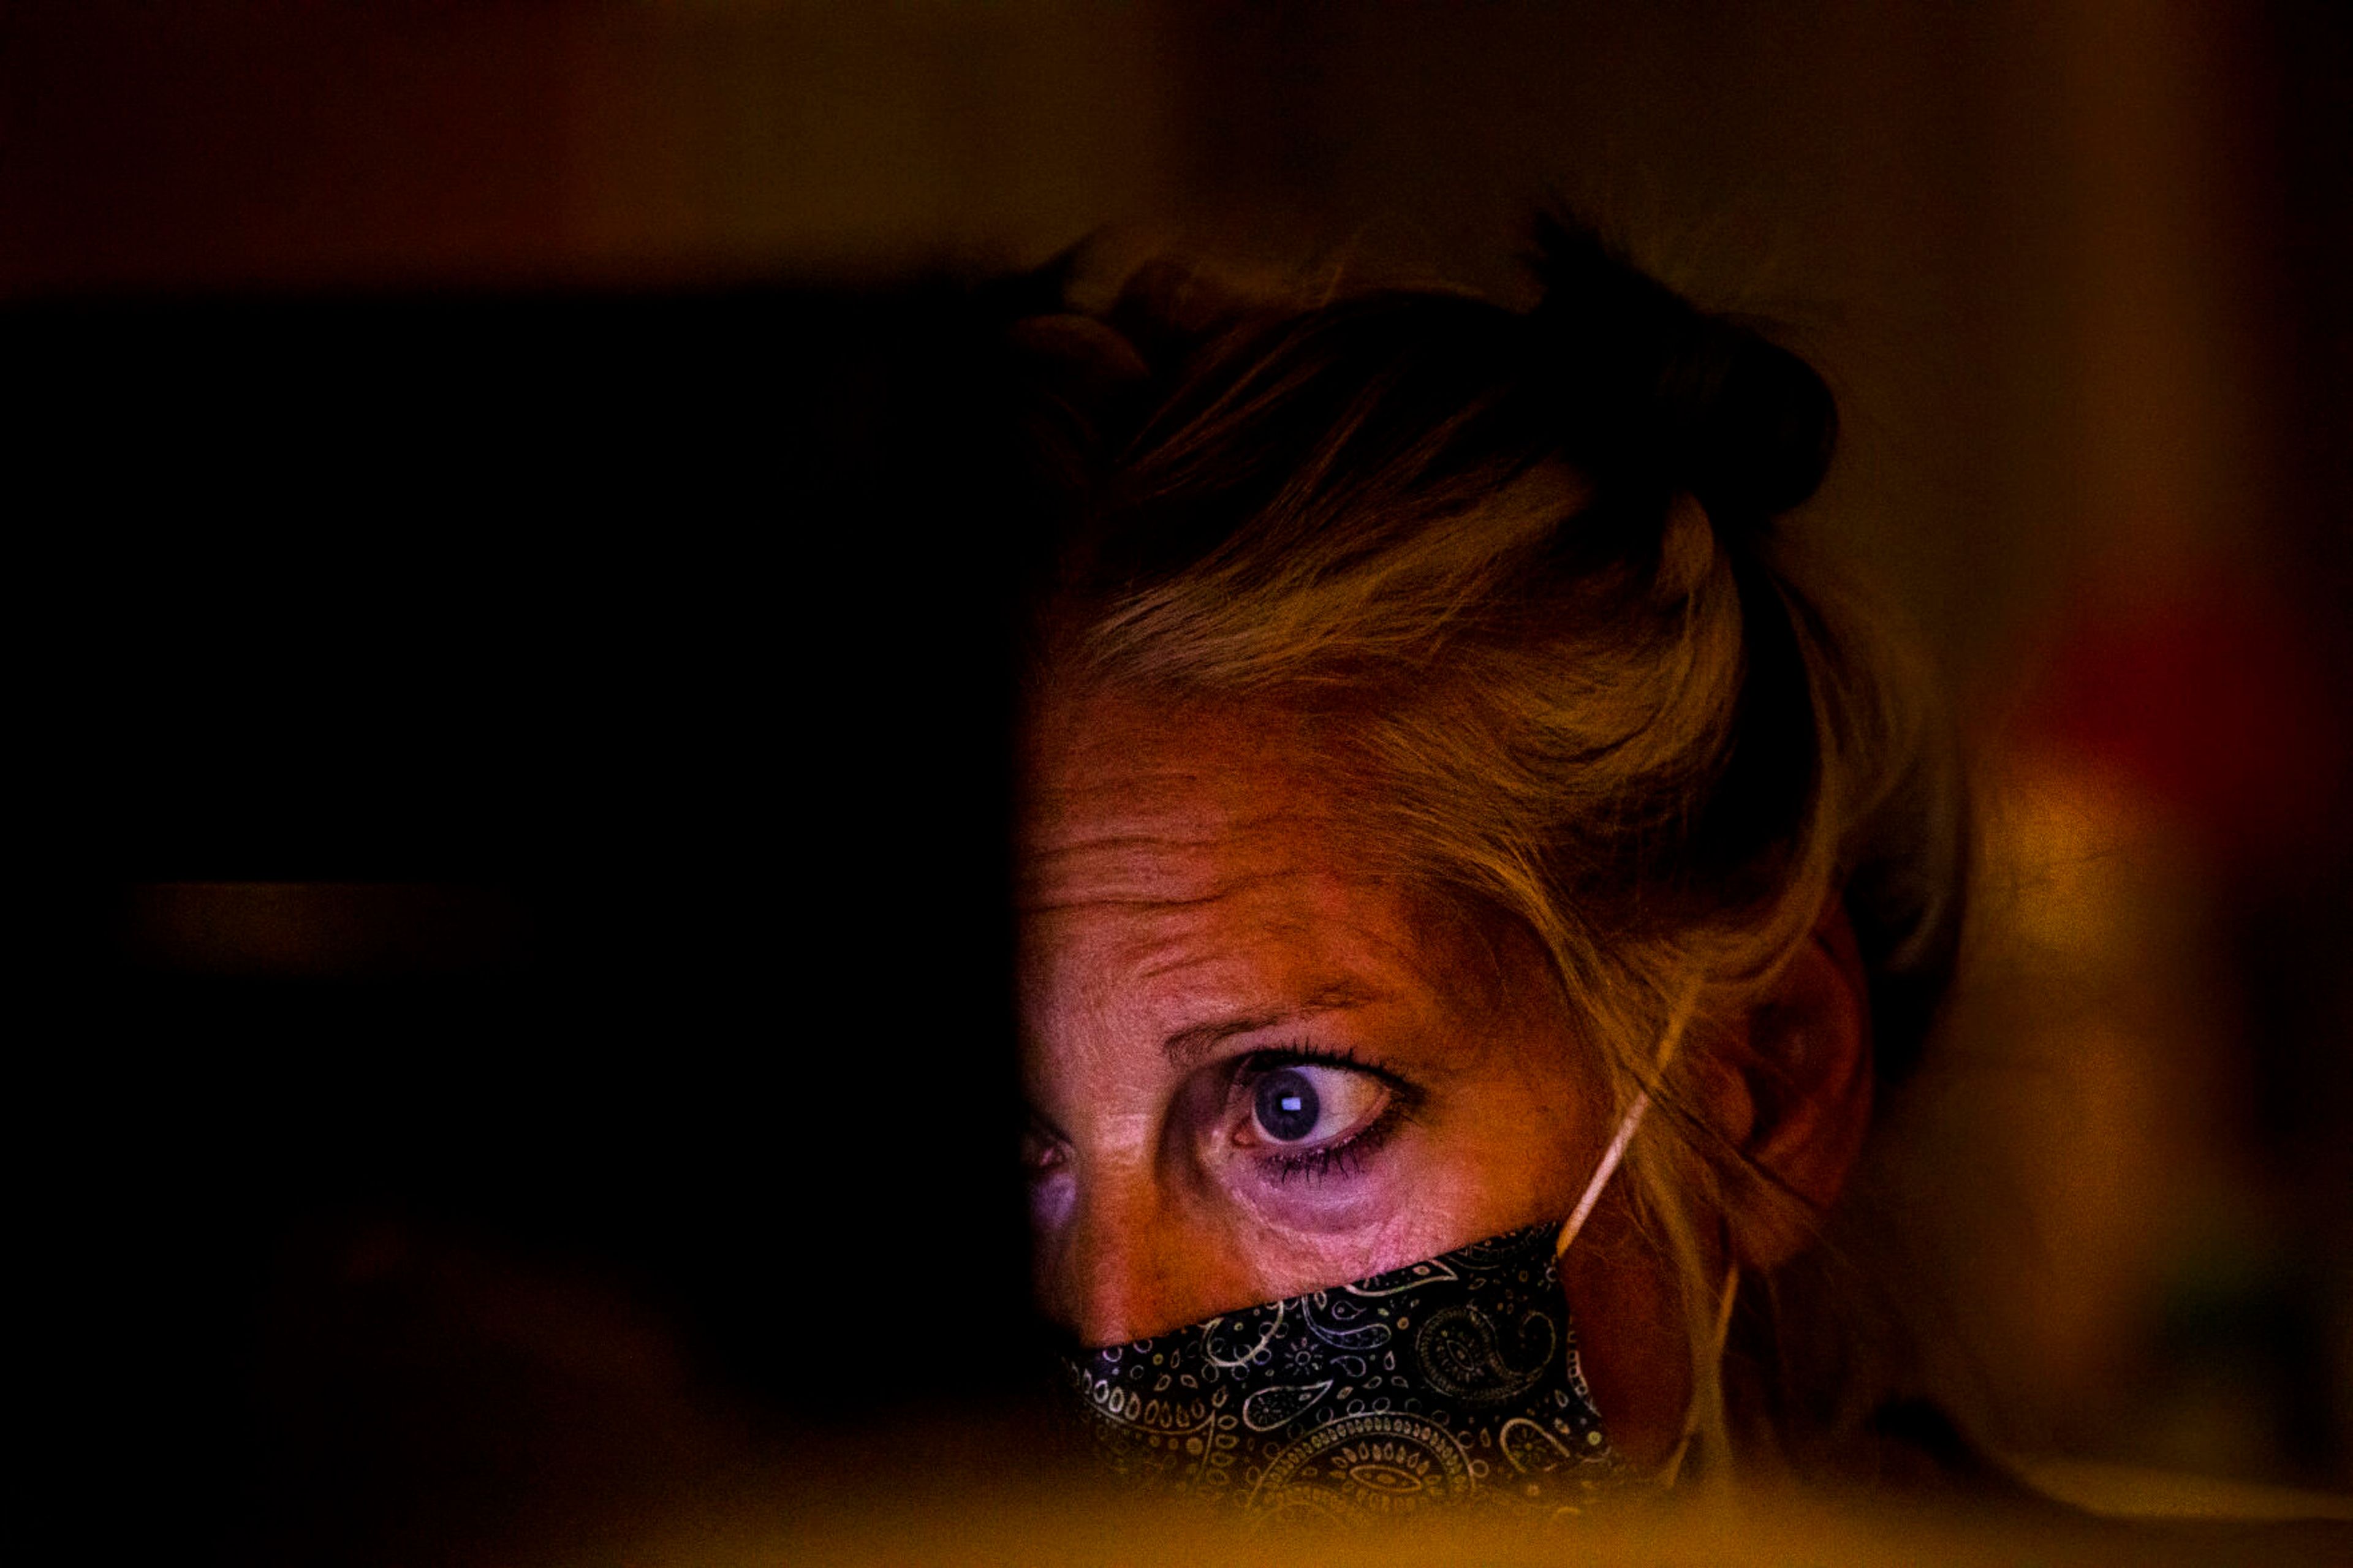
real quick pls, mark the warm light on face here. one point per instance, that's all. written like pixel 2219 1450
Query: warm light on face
pixel 1250 1072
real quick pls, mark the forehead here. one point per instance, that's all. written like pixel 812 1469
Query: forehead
pixel 1195 853
pixel 1126 801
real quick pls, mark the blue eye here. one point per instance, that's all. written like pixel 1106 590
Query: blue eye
pixel 1287 1105
pixel 1316 1112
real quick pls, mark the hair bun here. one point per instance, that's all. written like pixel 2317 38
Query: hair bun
pixel 1675 396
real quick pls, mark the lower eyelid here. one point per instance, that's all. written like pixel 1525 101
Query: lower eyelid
pixel 1316 1164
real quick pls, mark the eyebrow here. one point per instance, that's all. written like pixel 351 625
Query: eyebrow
pixel 1188 1047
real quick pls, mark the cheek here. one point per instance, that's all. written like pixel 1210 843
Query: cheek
pixel 1543 1094
pixel 1512 1145
pixel 1561 1110
pixel 1367 1199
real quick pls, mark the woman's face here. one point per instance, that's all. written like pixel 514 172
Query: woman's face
pixel 1253 1072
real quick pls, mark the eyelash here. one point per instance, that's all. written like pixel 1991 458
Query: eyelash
pixel 1349 1154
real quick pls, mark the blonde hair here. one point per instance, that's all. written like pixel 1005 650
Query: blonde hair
pixel 1518 573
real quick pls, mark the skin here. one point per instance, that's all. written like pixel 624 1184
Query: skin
pixel 1190 924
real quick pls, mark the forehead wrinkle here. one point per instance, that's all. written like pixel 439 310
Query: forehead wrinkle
pixel 1050 832
pixel 1137 904
pixel 1148 871
pixel 1174 952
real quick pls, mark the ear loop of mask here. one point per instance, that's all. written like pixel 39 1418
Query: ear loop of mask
pixel 1677 1022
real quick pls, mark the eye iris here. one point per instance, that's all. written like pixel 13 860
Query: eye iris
pixel 1287 1105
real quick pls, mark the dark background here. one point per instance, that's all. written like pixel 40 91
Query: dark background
pixel 515 580
pixel 532 1001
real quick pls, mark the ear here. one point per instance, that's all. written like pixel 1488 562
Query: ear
pixel 1791 1089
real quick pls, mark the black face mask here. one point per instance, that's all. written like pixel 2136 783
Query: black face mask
pixel 1440 1382
pixel 1451 1380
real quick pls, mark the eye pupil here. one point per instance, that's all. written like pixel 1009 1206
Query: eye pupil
pixel 1287 1106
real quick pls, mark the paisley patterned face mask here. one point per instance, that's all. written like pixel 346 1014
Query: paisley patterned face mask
pixel 1454 1379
